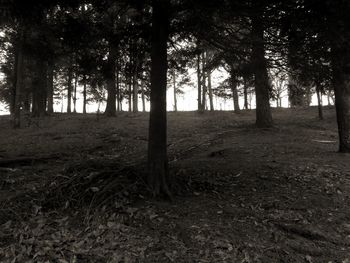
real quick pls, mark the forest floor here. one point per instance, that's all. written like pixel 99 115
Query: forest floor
pixel 72 190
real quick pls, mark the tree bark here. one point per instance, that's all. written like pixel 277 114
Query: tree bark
pixel 319 102
pixel 158 174
pixel 19 80
pixel 118 85
pixel 135 88
pixel 245 93
pixel 328 98
pixel 27 101
pixel 69 88
pixel 204 85
pixel 75 93
pixel 143 96
pixel 211 98
pixel 50 88
pixel 13 89
pixel 263 111
pixel 40 89
pixel 235 93
pixel 199 83
pixel 341 83
pixel 111 107
pixel 84 95
pixel 130 92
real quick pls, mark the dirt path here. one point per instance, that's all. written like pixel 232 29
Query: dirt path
pixel 244 194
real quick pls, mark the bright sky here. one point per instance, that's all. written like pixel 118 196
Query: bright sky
pixel 186 102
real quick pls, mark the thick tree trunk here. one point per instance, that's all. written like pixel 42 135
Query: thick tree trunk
pixel 84 95
pixel 211 97
pixel 175 96
pixel 69 89
pixel 135 88
pixel 27 101
pixel 111 107
pixel 158 174
pixel 199 83
pixel 50 89
pixel 319 102
pixel 40 89
pixel 235 93
pixel 19 80
pixel 341 84
pixel 235 99
pixel 263 111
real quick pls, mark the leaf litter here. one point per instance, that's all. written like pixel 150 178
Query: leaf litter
pixel 243 204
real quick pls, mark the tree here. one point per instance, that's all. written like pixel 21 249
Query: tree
pixel 261 79
pixel 340 59
pixel 158 174
pixel 19 78
pixel 111 81
pixel 325 25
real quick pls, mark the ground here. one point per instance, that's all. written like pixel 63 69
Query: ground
pixel 72 190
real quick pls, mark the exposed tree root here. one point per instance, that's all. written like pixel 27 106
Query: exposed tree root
pixel 95 183
pixel 305 233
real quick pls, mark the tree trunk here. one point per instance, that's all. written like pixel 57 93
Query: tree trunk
pixel 19 80
pixel 50 88
pixel 319 101
pixel 69 89
pixel 174 85
pixel 158 174
pixel 13 88
pixel 341 83
pixel 235 99
pixel 204 85
pixel 62 101
pixel 75 93
pixel 130 93
pixel 199 81
pixel 211 99
pixel 263 111
pixel 40 89
pixel 143 96
pixel 328 98
pixel 235 93
pixel 111 107
pixel 118 86
pixel 245 92
pixel 135 88
pixel 84 95
pixel 27 101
